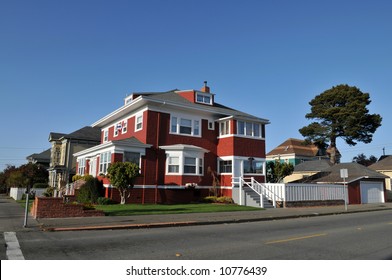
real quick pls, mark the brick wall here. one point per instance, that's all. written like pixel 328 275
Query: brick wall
pixel 53 207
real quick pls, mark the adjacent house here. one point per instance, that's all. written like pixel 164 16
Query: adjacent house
pixel 306 169
pixel 384 166
pixel 364 184
pixel 296 151
pixel 42 159
pixel 62 162
pixel 178 138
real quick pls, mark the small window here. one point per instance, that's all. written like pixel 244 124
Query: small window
pixel 204 98
pixel 81 166
pixel 225 166
pixel 104 162
pixel 139 123
pixel 124 126
pixel 106 135
pixel 173 165
pixel 253 167
pixel 186 126
pixel 174 124
pixel 224 128
pixel 190 165
pixel 132 157
pixel 211 125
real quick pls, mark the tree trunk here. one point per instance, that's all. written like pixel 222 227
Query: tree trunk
pixel 122 195
pixel 332 150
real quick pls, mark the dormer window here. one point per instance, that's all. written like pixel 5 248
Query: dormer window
pixel 204 98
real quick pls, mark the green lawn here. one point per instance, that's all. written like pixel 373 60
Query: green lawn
pixel 149 209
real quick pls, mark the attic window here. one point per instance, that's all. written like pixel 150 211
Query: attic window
pixel 204 98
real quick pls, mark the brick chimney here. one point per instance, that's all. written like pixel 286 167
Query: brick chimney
pixel 205 88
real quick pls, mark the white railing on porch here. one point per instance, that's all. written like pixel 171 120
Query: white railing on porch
pixel 291 192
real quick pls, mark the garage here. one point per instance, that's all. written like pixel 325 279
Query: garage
pixel 372 192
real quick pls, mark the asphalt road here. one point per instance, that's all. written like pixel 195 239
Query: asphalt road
pixel 352 236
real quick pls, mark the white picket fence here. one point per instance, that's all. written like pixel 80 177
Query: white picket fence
pixel 292 192
pixel 17 193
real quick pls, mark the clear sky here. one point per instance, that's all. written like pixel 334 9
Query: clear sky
pixel 66 64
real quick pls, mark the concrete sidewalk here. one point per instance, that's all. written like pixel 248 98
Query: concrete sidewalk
pixel 175 220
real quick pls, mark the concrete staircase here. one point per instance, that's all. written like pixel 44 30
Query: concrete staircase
pixel 253 199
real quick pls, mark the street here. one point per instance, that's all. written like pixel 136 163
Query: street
pixel 356 236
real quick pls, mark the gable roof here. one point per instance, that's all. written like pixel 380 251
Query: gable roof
pixel 295 146
pixel 384 164
pixel 355 172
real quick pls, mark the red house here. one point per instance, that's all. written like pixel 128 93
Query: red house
pixel 178 137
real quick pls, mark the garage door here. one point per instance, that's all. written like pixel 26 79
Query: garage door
pixel 372 192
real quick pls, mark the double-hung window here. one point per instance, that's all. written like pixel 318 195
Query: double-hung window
pixel 139 122
pixel 173 165
pixel 224 128
pixel 81 166
pixel 185 126
pixel 104 162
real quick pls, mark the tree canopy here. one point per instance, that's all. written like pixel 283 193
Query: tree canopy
pixel 121 175
pixel 340 112
pixel 364 160
pixel 277 170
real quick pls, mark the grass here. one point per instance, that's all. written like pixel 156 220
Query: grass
pixel 150 209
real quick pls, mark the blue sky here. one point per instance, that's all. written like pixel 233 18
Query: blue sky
pixel 66 64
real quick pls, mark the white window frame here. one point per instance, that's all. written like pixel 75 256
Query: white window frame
pixel 81 166
pixel 182 157
pixel 249 129
pixel 124 128
pixel 203 98
pixel 225 160
pixel 224 128
pixel 104 162
pixel 178 122
pixel 139 122
pixel 105 135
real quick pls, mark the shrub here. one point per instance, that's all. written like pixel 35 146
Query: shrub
pixel 210 199
pixel 225 199
pixel 48 192
pixel 90 191
pixel 105 201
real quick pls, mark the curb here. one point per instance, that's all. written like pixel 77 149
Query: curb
pixel 200 223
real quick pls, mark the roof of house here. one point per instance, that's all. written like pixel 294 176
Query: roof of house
pixel 295 146
pixel 313 166
pixel 40 157
pixel 86 133
pixel 355 171
pixel 384 164
pixel 174 98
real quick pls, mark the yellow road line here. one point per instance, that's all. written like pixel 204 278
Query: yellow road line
pixel 296 238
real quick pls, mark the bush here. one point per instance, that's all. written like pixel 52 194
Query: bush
pixel 48 192
pixel 210 199
pixel 90 191
pixel 225 199
pixel 105 201
pixel 221 199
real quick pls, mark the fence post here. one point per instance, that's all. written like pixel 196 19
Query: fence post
pixel 240 190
